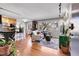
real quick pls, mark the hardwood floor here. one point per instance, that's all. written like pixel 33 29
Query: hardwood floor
pixel 25 47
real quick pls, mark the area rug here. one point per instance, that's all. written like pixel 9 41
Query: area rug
pixel 19 36
pixel 54 43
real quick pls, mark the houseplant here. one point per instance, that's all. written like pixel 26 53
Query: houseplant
pixel 64 41
pixel 13 50
pixel 5 46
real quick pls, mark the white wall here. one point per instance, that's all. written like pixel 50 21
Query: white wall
pixel 28 27
pixel 20 23
pixel 75 21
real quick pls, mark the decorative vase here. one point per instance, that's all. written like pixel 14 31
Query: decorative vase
pixel 48 38
pixel 64 44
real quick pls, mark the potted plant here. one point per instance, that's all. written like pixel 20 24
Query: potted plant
pixel 13 50
pixel 64 41
pixel 5 46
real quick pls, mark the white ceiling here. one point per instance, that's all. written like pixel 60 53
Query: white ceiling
pixel 33 11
